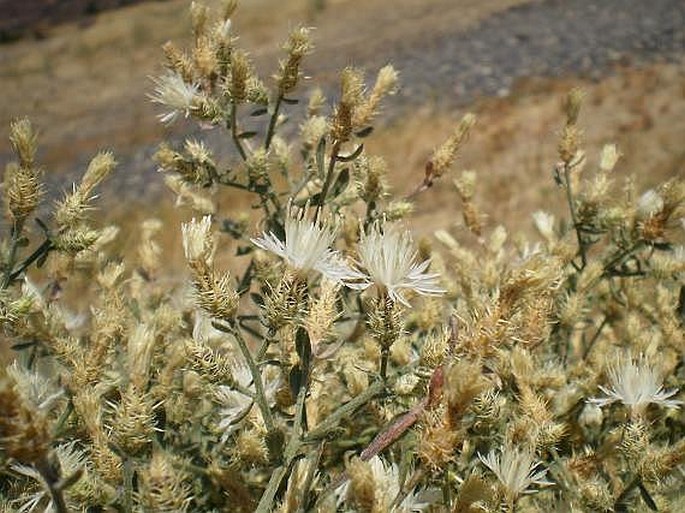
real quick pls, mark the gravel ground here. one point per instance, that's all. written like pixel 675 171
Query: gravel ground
pixel 543 38
pixel 550 38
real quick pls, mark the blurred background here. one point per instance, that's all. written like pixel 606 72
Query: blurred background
pixel 80 70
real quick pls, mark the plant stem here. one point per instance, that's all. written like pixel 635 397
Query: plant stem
pixel 574 216
pixel 14 244
pixel 260 395
pixel 335 150
pixel 333 420
pixel 234 131
pixel 272 123
pixel 41 250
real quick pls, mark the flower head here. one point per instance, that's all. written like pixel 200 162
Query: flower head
pixel 516 470
pixel 307 248
pixel 635 383
pixel 391 259
pixel 176 94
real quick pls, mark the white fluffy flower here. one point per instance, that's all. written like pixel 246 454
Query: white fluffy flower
pixel 307 247
pixel 386 478
pixel 176 94
pixel 198 241
pixel 516 470
pixel 635 383
pixel 391 259
pixel 649 204
pixel 544 223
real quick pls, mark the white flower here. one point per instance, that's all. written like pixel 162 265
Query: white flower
pixel 173 92
pixel 516 470
pixel 307 248
pixel 198 242
pixel 387 486
pixel 390 258
pixel 636 383
pixel 649 204
pixel 544 223
pixel 610 156
pixel 71 459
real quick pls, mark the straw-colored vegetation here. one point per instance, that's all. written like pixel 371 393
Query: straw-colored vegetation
pixel 316 356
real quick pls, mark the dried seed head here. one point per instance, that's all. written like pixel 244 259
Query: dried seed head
pixel 361 490
pixel 199 14
pixel 572 104
pixel 250 448
pixel 445 155
pixel 24 429
pixel 23 191
pixel 386 83
pixel 164 487
pixel 133 423
pixel 298 45
pixel 24 141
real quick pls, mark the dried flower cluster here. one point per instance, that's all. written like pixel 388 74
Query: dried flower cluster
pixel 339 365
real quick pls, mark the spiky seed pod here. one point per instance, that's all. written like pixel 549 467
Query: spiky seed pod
pixel 250 448
pixel 595 496
pixel 298 45
pixel 24 141
pixel 572 104
pixel 23 191
pixel 352 94
pixel 133 423
pixel 164 487
pixel 322 313
pixel 464 381
pixel 569 143
pixel 210 364
pixel 178 61
pixel 385 321
pixel 24 430
pixel 386 82
pixel 444 156
pixel 199 14
pixel 361 491
pixel 438 440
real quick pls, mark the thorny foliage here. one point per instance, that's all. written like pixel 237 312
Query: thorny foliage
pixel 341 367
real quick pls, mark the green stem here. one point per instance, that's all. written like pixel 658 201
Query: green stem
pixel 347 409
pixel 335 150
pixel 385 353
pixel 574 216
pixel 41 250
pixel 234 131
pixel 260 395
pixel 272 123
pixel 14 244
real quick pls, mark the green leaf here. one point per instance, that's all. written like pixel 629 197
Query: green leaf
pixel 247 135
pixel 290 101
pixel 259 112
pixel 364 132
pixel 341 182
pixel 351 156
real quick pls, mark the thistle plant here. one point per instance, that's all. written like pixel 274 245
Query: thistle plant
pixel 313 355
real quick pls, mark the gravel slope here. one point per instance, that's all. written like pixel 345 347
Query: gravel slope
pixel 451 67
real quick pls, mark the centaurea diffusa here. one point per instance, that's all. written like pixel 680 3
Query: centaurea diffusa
pixel 391 259
pixel 307 247
pixel 516 471
pixel 636 383
pixel 176 94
